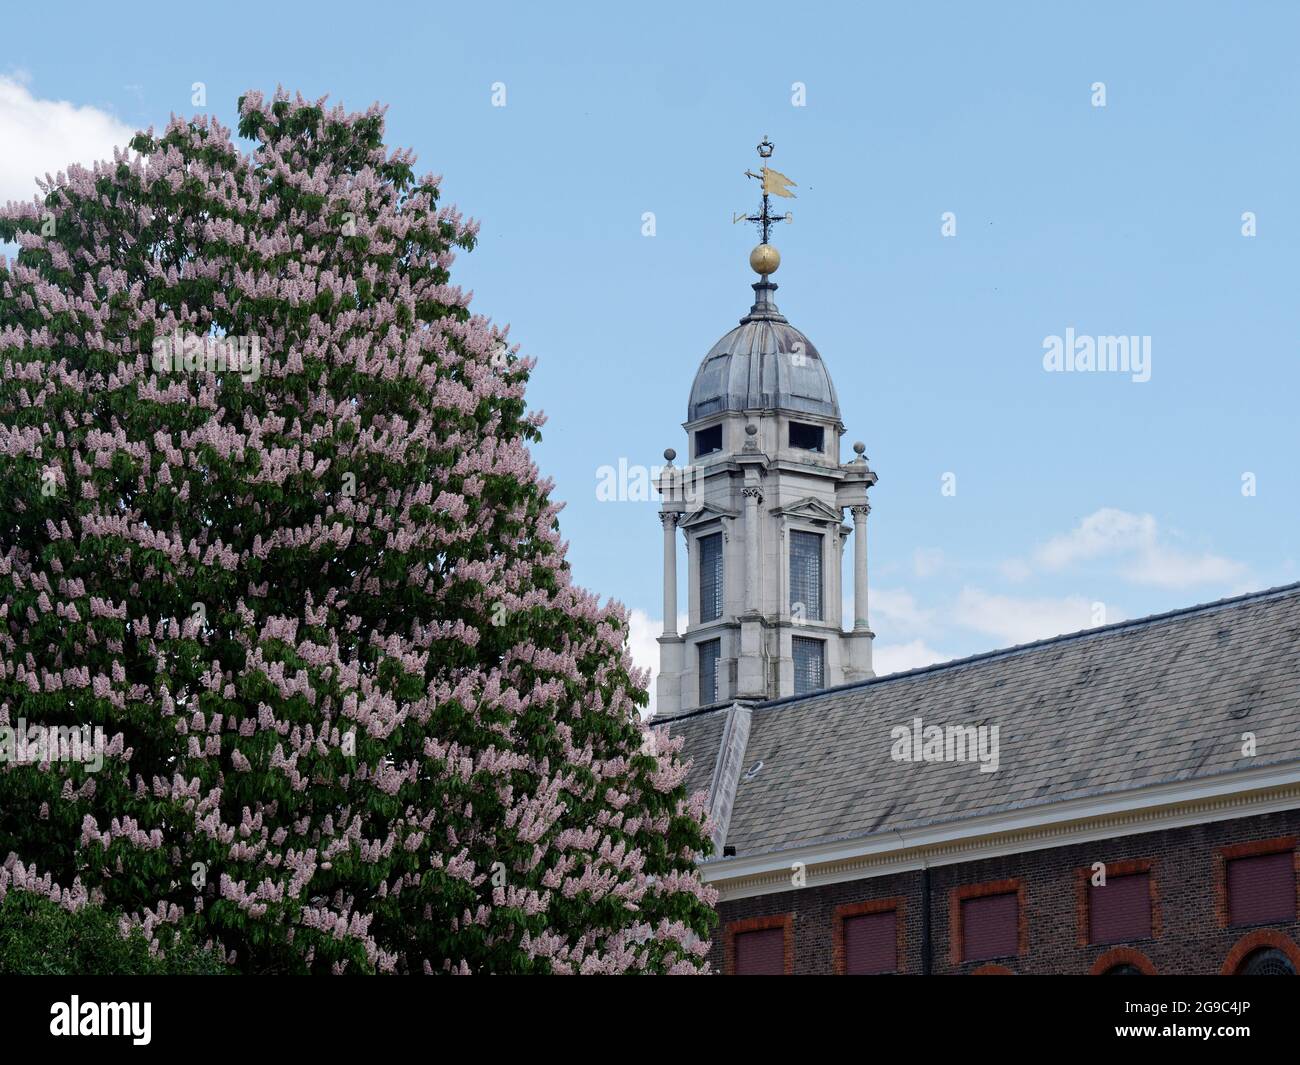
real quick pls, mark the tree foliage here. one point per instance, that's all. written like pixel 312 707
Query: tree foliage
pixel 40 938
pixel 357 715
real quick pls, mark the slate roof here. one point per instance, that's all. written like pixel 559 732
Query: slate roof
pixel 703 734
pixel 1152 701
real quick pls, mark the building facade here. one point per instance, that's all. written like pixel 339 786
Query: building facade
pixel 1210 898
pixel 1124 800
pixel 1121 801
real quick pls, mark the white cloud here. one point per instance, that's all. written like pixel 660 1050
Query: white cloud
pixel 1106 532
pixel 45 136
pixel 1152 559
pixel 900 657
pixel 1012 620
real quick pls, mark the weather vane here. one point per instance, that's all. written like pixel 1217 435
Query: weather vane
pixel 774 183
pixel 765 259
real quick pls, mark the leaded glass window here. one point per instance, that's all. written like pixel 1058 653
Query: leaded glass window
pixel 806 576
pixel 809 665
pixel 710 577
pixel 710 651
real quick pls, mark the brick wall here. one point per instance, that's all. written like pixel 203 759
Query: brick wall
pixel 1186 868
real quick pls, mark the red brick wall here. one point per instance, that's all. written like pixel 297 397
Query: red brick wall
pixel 1186 869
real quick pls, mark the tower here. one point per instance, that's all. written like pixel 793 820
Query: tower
pixel 760 510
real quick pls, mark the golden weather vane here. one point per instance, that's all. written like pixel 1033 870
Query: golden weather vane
pixel 774 183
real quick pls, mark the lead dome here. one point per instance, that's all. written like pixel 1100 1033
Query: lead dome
pixel 765 363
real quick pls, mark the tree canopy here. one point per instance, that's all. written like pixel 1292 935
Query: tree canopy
pixel 270 526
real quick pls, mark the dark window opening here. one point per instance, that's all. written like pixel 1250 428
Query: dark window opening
pixel 807 437
pixel 708 441
pixel 1123 970
pixel 1267 962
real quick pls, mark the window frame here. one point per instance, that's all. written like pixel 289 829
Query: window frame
pixel 1117 956
pixel 956 936
pixel 1252 849
pixel 869 908
pixel 784 921
pixel 1115 870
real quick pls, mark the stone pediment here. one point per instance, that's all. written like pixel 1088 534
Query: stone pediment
pixel 812 509
pixel 705 513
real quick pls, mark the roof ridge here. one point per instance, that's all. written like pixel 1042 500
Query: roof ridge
pixel 698 711
pixel 1166 617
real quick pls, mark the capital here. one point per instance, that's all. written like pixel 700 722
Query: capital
pixel 669 518
pixel 860 512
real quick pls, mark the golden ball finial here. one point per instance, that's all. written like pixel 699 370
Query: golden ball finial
pixel 764 259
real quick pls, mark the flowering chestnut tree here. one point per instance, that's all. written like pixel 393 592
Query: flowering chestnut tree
pixel 270 530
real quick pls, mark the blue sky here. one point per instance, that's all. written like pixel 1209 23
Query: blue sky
pixel 1071 488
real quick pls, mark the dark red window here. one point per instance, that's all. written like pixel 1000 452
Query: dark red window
pixel 1261 889
pixel 761 953
pixel 990 927
pixel 1121 909
pixel 871 943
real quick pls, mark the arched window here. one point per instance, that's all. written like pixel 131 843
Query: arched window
pixel 1267 962
pixel 1123 970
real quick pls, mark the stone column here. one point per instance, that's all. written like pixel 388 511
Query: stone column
pixel 672 648
pixel 751 661
pixel 669 521
pixel 860 566
pixel 753 497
